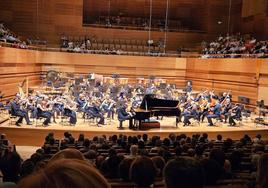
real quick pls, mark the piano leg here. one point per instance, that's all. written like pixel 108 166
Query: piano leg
pixel 130 123
pixel 177 121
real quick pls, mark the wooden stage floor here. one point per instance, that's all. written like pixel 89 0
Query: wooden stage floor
pixel 34 135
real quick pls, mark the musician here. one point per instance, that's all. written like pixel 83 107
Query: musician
pixel 215 112
pixel 43 111
pixel 107 106
pixel 182 98
pixel 16 110
pixel 227 109
pixel 184 107
pixel 150 90
pixel 236 114
pixel 122 114
pixel 188 87
pixel 136 101
pixel 190 112
pixel 81 101
pixel 58 106
pixel 94 110
pixel 69 111
pixel 224 97
pixel 204 106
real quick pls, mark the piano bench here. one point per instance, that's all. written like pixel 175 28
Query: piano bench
pixel 120 123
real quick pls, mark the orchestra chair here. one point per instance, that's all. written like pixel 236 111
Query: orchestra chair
pixel 3 109
pixel 246 114
pixel 12 117
pixel 195 122
pixel 218 122
pixel 109 120
pixel 39 120
pixel 238 121
pixel 64 120
pixel 121 123
pixel 90 117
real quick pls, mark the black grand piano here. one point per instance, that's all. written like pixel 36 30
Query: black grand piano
pixel 152 106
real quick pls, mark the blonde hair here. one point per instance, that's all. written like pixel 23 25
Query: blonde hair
pixel 68 153
pixel 64 173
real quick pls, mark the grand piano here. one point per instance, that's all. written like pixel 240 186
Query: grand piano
pixel 152 106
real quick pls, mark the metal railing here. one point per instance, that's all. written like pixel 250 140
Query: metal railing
pixel 134 53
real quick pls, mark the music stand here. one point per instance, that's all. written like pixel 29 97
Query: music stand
pixel 259 120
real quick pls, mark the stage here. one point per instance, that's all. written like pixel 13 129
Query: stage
pixel 33 135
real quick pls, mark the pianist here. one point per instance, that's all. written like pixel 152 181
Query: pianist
pixel 123 115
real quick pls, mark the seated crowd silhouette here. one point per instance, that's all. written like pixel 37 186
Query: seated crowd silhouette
pixel 138 161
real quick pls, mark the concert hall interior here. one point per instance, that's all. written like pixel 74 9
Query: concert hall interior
pixel 109 80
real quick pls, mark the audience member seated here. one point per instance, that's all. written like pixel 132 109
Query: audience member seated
pixel 124 167
pixel 183 172
pixel 143 172
pixel 10 163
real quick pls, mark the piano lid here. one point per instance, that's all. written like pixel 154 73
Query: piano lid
pixel 152 102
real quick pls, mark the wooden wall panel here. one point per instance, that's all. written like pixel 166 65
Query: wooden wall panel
pixel 236 75
pixel 263 82
pixel 172 69
pixel 15 66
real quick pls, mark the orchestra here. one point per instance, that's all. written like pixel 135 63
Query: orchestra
pixel 101 101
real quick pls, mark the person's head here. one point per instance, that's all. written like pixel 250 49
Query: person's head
pixel 199 150
pixel 86 142
pixel 145 137
pixel 110 167
pixel 158 143
pixel 219 137
pixel 212 171
pixel 67 154
pixel 124 167
pixel 262 172
pixel 66 134
pixel 166 142
pixel 36 157
pixel 178 151
pixel 65 173
pixel 236 159
pixel 27 168
pixel 159 163
pixel 217 155
pixel 81 138
pixel 142 171
pixel 91 155
pixel 3 136
pixel 258 136
pixel 134 150
pixel 205 135
pixel 183 172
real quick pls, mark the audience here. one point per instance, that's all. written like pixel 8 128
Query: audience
pixel 235 46
pixel 8 37
pixel 179 160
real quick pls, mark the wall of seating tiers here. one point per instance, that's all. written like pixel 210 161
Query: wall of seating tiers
pixel 243 77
